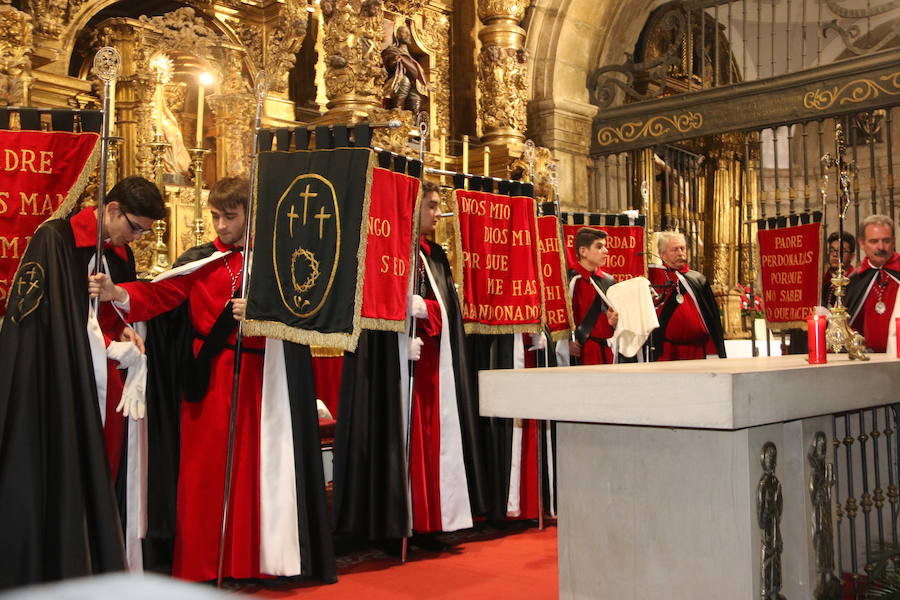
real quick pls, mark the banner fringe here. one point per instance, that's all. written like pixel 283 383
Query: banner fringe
pixel 277 330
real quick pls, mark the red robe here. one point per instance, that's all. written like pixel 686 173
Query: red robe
pixel 84 229
pixel 596 350
pixel 874 326
pixel 204 429
pixel 425 446
pixel 686 334
pixel 432 422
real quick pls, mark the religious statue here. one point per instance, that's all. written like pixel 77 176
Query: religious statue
pixel 177 159
pixel 407 84
pixel 768 510
pixel 821 480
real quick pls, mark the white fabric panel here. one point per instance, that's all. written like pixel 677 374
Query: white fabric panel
pixel 514 493
pixel 136 493
pixel 279 543
pixel 456 511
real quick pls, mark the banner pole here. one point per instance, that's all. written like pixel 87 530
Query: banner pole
pixel 262 88
pixel 411 365
pixel 530 152
pixel 107 66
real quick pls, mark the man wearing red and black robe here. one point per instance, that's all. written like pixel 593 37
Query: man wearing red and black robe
pixel 872 298
pixel 277 524
pixel 59 514
pixel 595 318
pixel 445 476
pixel 689 322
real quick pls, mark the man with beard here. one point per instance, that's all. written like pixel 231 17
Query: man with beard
pixel 272 529
pixel 61 441
pixel 689 322
pixel 872 293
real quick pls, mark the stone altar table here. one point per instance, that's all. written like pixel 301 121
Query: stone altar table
pixel 658 466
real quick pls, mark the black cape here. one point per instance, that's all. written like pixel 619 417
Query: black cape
pixel 709 311
pixel 58 511
pixel 370 492
pixel 170 351
pixel 497 352
pixel 858 289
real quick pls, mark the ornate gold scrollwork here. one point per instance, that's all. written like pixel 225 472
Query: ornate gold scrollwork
pixel 283 43
pixel 503 83
pixel 353 33
pixel 654 127
pixel 854 92
pixel 16 46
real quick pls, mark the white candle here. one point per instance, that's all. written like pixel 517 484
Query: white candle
pixel 200 102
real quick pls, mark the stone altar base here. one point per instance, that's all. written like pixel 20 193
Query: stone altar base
pixel 675 511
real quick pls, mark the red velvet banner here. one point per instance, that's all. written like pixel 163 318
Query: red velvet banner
pixel 389 250
pixel 790 260
pixel 557 304
pixel 42 174
pixel 625 244
pixel 501 279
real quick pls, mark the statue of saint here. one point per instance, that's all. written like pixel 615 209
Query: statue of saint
pixel 178 161
pixel 821 479
pixel 768 507
pixel 407 84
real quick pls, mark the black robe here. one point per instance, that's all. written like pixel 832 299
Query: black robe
pixel 58 511
pixel 709 312
pixel 370 489
pixel 497 352
pixel 170 351
pixel 858 288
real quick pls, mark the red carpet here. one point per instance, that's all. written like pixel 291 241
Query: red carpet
pixel 487 566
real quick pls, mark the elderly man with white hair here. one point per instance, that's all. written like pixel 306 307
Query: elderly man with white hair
pixel 872 296
pixel 689 322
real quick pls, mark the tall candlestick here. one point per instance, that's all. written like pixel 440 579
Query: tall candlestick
pixel 443 158
pixel 487 161
pixel 465 159
pixel 200 102
pixel 112 108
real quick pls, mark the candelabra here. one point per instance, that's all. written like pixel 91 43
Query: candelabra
pixel 839 335
pixel 160 261
pixel 199 231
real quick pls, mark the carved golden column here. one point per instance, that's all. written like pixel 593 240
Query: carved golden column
pixel 725 220
pixel 16 47
pixel 502 71
pixel 233 113
pixel 353 70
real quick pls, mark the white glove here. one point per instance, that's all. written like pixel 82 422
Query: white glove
pixel 538 342
pixel 414 348
pixel 417 307
pixel 133 403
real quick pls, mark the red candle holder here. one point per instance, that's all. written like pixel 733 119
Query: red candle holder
pixel 815 328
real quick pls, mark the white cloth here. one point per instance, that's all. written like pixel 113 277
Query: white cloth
pixel 133 402
pixel 637 316
pixel 322 410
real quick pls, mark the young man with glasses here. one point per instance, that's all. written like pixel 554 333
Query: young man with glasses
pixel 61 439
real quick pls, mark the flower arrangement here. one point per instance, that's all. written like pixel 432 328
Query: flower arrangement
pixel 751 305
